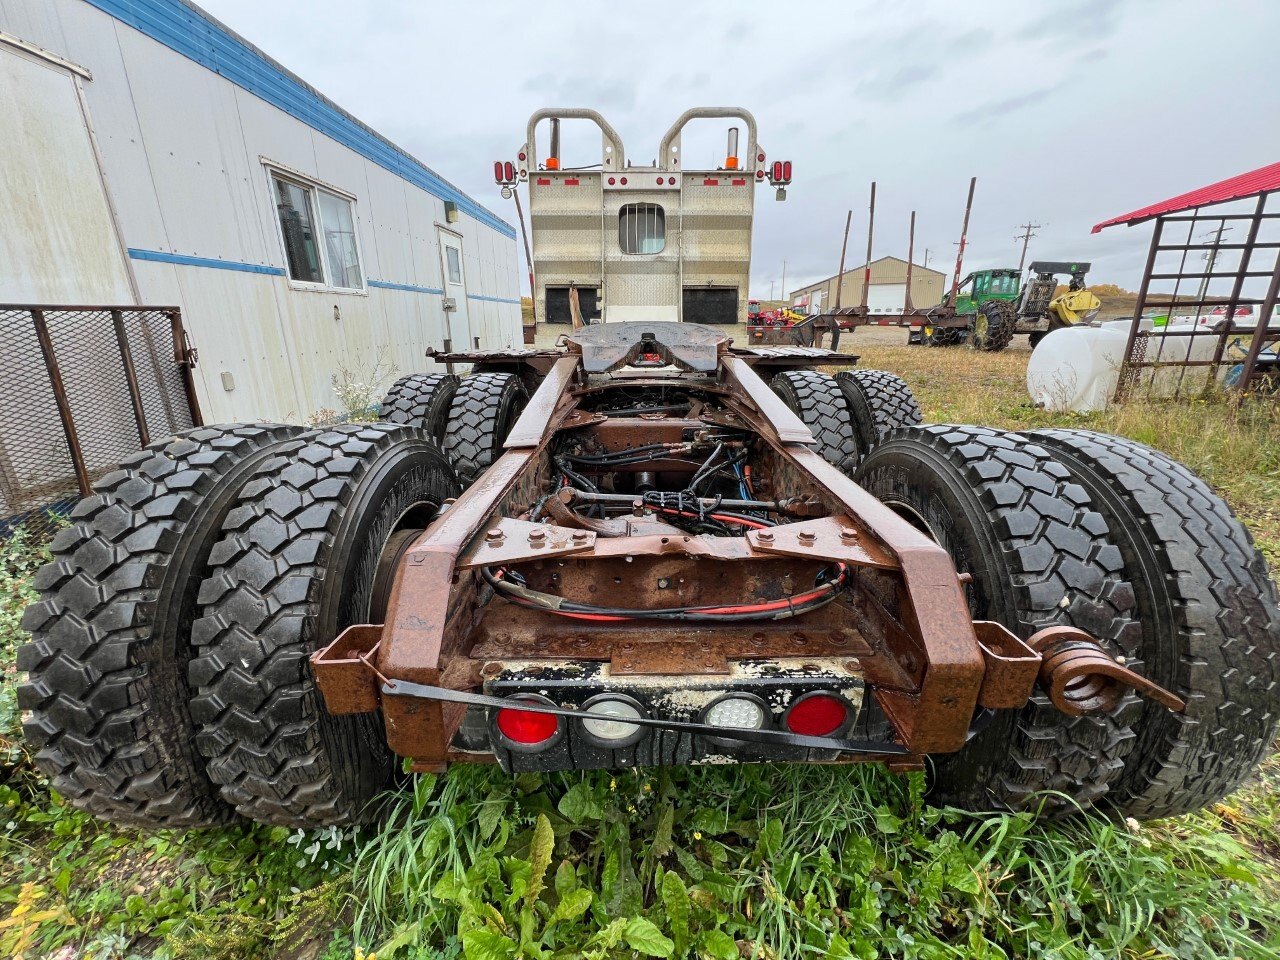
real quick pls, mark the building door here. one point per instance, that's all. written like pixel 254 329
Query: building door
pixel 456 319
pixel 58 241
pixel 886 297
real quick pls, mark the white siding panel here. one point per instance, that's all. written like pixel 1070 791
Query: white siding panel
pixel 57 240
pixel 217 307
pixel 191 130
pixel 89 37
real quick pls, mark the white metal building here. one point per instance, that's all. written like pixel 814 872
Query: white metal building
pixel 150 155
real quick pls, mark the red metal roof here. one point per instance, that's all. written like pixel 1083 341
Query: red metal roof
pixel 1262 180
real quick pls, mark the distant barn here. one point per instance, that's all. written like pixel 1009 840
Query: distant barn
pixel 886 293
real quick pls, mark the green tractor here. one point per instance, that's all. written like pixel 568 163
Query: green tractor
pixel 985 312
pixel 992 305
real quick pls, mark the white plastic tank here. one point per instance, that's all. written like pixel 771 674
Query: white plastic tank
pixel 1077 368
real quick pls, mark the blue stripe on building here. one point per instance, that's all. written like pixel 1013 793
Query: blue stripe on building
pixel 185 30
pixel 477 296
pixel 159 256
pixel 182 260
pixel 388 285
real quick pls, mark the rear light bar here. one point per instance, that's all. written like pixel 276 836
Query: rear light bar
pixel 779 173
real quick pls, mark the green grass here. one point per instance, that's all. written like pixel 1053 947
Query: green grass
pixel 714 862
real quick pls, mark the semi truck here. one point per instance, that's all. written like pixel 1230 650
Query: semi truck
pixel 646 545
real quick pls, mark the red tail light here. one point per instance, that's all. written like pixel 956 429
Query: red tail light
pixel 497 170
pixel 509 170
pixel 777 170
pixel 524 728
pixel 818 714
pixel 786 170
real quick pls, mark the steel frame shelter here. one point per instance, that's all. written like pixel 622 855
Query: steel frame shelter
pixel 1203 259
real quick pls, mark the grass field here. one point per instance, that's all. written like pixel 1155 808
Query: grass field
pixel 718 862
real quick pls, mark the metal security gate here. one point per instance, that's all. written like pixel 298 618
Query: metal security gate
pixel 81 388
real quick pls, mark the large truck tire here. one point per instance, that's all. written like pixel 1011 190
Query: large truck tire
pixel 932 336
pixel 300 560
pixel 1013 517
pixel 484 409
pixel 1208 618
pixel 994 326
pixel 106 664
pixel 819 402
pixel 421 400
pixel 879 403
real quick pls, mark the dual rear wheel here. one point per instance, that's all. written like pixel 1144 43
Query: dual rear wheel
pixel 1069 527
pixel 849 414
pixel 168 682
pixel 1080 529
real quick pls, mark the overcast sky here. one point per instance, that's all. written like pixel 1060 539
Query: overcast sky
pixel 1067 112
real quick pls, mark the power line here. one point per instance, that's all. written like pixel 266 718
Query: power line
pixel 1025 237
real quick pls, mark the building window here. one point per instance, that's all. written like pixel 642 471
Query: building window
pixel 341 256
pixel 318 230
pixel 297 224
pixel 455 264
pixel 642 228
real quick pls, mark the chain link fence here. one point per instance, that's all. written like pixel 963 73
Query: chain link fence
pixel 80 389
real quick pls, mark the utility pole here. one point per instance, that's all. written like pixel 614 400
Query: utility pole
pixel 784 282
pixel 1025 237
pixel 771 283
pixel 926 258
pixel 1211 257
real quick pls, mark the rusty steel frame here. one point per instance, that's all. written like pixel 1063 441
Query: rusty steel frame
pixel 1136 351
pixel 935 659
pixel 929 665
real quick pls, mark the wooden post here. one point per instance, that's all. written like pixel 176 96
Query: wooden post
pixel 964 233
pixel 835 325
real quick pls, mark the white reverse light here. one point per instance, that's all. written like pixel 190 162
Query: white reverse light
pixel 612 731
pixel 740 712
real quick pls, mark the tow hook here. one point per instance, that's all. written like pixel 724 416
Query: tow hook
pixel 1080 677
